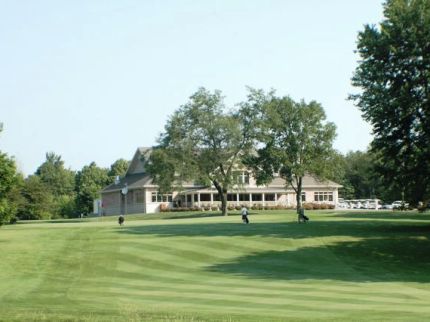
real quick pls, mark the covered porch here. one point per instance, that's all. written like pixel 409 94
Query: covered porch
pixel 203 198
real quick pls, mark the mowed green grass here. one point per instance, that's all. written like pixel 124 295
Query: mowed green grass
pixel 339 266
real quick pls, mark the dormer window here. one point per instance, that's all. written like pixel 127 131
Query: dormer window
pixel 241 177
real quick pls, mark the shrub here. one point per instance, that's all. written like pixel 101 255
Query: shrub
pixel 308 206
pixel 164 208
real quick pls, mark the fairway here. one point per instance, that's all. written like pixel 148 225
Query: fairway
pixel 339 266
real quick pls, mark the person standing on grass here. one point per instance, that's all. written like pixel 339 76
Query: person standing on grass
pixel 244 213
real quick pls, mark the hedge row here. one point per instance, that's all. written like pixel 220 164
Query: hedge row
pixel 306 206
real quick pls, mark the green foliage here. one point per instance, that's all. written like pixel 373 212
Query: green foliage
pixel 65 206
pixel 394 75
pixel 38 200
pixel 89 181
pixel 203 143
pixel 295 141
pixel 59 181
pixel 8 181
pixel 118 168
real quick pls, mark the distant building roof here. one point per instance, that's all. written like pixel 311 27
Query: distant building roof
pixel 133 181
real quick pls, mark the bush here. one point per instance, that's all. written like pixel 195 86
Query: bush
pixel 308 206
pixel 164 208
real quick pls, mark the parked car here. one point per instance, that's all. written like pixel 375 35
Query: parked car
pixel 387 206
pixel 399 204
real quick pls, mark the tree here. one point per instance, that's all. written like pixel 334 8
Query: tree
pixel 295 141
pixel 89 181
pixel 359 174
pixel 204 143
pixel 393 75
pixel 38 200
pixel 8 181
pixel 59 180
pixel 118 168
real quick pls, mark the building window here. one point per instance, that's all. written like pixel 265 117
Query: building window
pixel 140 196
pixel 269 197
pixel 205 197
pixel 303 196
pixel 231 197
pixel 244 197
pixel 323 196
pixel 241 177
pixel 257 197
pixel 158 197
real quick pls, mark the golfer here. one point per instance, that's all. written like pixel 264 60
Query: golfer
pixel 244 213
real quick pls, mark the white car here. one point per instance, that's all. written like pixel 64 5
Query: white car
pixel 398 203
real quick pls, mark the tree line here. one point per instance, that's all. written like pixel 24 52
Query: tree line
pixel 53 191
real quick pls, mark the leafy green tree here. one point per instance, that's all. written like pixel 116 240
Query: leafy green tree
pixel 296 140
pixel 393 75
pixel 8 181
pixel 203 143
pixel 38 200
pixel 59 180
pixel 89 181
pixel 118 168
pixel 360 174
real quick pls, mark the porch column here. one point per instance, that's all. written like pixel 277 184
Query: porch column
pixel 264 199
pixel 276 198
pixel 250 199
pixel 198 198
pixel 212 198
pixel 237 198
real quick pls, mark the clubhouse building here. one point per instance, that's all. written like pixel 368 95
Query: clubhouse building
pixel 136 193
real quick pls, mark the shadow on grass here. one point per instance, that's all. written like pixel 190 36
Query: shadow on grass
pixel 369 260
pixel 385 251
pixel 356 228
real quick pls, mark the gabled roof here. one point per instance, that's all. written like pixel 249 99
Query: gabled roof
pixel 137 164
pixel 308 182
pixel 133 181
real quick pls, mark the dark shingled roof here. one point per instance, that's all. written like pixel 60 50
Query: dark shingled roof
pixel 308 182
pixel 133 181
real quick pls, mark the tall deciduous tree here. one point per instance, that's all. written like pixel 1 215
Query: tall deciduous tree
pixel 296 140
pixel 38 200
pixel 59 180
pixel 394 75
pixel 8 180
pixel 118 168
pixel 204 143
pixel 89 181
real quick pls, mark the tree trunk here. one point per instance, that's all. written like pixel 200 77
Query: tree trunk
pixel 224 203
pixel 299 195
pixel 222 192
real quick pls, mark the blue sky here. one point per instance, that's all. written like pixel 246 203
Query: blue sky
pixel 93 80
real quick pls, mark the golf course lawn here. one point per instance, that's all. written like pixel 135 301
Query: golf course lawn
pixel 339 266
